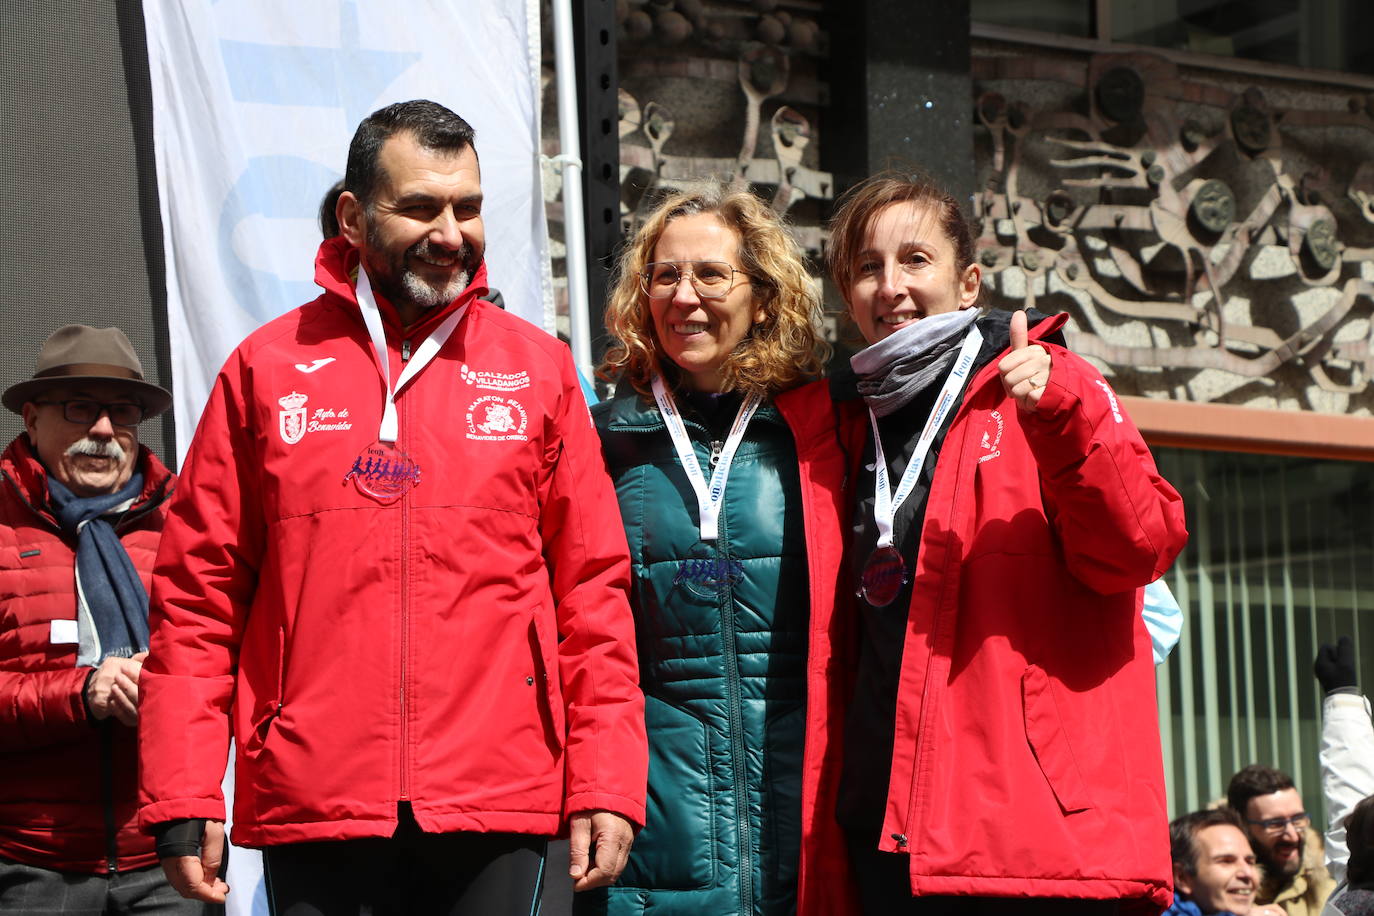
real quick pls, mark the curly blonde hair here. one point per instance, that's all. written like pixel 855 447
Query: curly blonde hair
pixel 782 351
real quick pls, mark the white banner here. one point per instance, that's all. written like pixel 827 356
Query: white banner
pixel 255 102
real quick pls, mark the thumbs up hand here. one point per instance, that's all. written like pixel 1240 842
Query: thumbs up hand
pixel 1026 369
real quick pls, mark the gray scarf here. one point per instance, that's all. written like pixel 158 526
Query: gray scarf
pixel 900 366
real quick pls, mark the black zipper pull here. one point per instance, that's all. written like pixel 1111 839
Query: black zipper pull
pixel 405 350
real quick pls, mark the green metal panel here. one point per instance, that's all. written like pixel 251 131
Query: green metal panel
pixel 1280 559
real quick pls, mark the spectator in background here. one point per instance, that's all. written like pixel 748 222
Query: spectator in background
pixel 1356 898
pixel 1214 867
pixel 329 221
pixel 1277 822
pixel 1347 751
pixel 81 513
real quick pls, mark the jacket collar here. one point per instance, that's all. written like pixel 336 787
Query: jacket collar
pixel 630 411
pixel 336 271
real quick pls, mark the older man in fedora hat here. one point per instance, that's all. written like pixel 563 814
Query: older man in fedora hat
pixel 81 512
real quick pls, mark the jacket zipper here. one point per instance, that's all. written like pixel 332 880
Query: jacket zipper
pixel 107 796
pixel 738 755
pixel 405 616
pixel 732 689
pixel 932 691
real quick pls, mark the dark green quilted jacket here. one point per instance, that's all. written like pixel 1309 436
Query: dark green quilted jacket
pixel 722 644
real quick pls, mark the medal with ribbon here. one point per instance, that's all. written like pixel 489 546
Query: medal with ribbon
pixel 710 494
pixel 885 572
pixel 382 470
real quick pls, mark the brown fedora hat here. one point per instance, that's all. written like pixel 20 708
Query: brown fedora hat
pixel 78 353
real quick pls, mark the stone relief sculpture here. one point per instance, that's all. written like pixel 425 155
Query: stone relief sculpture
pixel 723 90
pixel 1210 238
pixel 782 177
pixel 1209 233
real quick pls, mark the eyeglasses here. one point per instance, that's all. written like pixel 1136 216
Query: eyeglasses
pixel 1278 825
pixel 122 413
pixel 710 279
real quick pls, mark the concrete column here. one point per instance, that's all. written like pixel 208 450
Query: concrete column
pixel 901 93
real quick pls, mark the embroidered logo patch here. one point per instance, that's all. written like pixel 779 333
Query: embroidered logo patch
pixel 317 364
pixel 293 423
pixel 494 381
pixel 992 438
pixel 326 419
pixel 1111 399
pixel 497 418
pixel 291 420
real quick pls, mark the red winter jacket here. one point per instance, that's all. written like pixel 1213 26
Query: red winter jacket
pixel 55 763
pixel 1027 758
pixel 467 648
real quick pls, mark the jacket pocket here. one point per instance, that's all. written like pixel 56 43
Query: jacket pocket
pixel 1050 743
pixel 550 681
pixel 676 849
pixel 269 705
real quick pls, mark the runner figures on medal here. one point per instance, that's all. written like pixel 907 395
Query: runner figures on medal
pixel 382 470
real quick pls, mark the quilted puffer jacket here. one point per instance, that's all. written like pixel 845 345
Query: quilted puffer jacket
pixel 722 633
pixel 68 785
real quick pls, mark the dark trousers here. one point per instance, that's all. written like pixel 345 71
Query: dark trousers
pixel 26 890
pixel 495 874
pixel 884 882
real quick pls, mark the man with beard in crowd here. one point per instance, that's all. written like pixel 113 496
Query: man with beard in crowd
pixel 1277 823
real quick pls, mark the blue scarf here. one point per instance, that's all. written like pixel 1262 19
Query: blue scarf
pixel 112 605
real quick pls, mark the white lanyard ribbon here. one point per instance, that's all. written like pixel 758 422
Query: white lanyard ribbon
pixel 709 497
pixel 428 349
pixel 885 502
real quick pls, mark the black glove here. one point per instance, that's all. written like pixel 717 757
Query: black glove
pixel 180 837
pixel 1335 665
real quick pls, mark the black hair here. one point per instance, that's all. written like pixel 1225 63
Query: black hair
pixel 329 220
pixel 1359 837
pixel 1254 781
pixel 433 126
pixel 1183 831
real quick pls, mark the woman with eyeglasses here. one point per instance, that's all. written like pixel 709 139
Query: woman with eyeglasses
pixel 991 743
pixel 713 314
